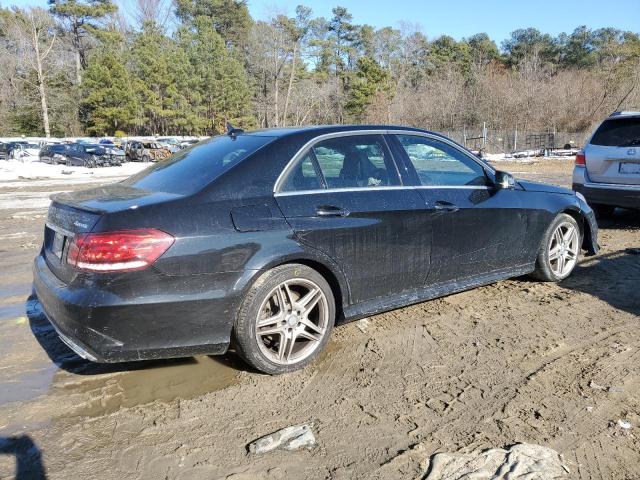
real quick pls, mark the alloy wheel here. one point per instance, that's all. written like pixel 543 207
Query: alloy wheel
pixel 563 249
pixel 292 321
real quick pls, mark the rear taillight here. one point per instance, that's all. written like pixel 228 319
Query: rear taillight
pixel 581 159
pixel 118 251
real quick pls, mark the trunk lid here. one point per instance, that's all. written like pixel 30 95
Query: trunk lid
pixel 75 213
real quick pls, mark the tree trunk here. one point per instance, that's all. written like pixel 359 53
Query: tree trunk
pixel 78 68
pixel 286 100
pixel 41 87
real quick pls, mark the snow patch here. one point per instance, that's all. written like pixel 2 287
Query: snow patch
pixel 12 170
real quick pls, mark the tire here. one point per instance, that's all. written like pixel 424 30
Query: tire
pixel 603 211
pixel 265 296
pixel 557 259
pixel 146 158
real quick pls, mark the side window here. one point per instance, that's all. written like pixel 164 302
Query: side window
pixel 303 177
pixel 356 161
pixel 439 164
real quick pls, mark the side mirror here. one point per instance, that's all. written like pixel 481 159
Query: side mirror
pixel 504 180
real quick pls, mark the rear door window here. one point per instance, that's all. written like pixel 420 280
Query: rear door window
pixel 439 164
pixel 619 132
pixel 188 171
pixel 304 176
pixel 355 161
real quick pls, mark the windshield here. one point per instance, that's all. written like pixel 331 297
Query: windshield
pixel 619 132
pixel 188 171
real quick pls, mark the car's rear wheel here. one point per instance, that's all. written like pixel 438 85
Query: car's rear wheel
pixel 603 211
pixel 559 251
pixel 285 320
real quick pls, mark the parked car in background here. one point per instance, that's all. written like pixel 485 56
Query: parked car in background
pixel 54 153
pixel 607 170
pixel 269 238
pixel 4 151
pixel 25 152
pixel 146 151
pixel 87 155
pixel 170 143
pixel 115 155
pixel 188 143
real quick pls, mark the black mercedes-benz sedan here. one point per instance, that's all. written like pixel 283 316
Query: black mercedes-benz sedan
pixel 265 240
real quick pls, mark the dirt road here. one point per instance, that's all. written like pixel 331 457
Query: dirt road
pixel 518 361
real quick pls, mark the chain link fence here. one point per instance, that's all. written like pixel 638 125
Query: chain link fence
pixel 505 141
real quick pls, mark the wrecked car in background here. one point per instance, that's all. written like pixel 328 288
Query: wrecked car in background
pixel 54 153
pixel 91 156
pixel 25 152
pixel 170 143
pixel 267 239
pixel 146 151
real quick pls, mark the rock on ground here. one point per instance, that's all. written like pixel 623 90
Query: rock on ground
pixel 289 438
pixel 520 462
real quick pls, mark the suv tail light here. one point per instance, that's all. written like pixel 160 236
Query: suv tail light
pixel 581 159
pixel 118 251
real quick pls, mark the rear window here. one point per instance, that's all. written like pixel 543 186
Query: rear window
pixel 620 132
pixel 191 170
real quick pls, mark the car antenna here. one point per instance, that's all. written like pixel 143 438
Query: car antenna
pixel 232 131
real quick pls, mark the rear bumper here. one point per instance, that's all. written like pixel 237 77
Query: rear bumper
pixel 117 321
pixel 618 195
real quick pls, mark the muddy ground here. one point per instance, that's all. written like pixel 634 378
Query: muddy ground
pixel 518 361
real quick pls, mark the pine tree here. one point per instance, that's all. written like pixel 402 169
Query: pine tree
pixel 219 84
pixel 372 83
pixel 158 85
pixel 109 101
pixel 82 19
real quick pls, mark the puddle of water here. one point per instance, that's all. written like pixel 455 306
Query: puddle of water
pixel 27 386
pixel 11 290
pixel 12 310
pixel 147 382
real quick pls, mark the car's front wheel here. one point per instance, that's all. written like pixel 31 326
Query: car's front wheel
pixel 559 251
pixel 285 320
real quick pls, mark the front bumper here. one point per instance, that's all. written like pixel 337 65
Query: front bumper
pixel 617 195
pixel 159 317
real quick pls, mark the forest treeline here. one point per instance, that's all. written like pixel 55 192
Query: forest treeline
pixel 189 66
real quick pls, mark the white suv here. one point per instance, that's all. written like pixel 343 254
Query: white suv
pixel 607 170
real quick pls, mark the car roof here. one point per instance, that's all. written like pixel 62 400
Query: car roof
pixel 325 129
pixel 625 114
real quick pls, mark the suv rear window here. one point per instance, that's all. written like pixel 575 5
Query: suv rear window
pixel 619 132
pixel 188 171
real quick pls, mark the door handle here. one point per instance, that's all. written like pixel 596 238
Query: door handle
pixel 443 206
pixel 332 211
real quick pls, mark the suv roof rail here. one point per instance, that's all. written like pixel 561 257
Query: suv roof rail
pixel 625 113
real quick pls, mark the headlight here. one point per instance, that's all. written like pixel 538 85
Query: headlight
pixel 581 197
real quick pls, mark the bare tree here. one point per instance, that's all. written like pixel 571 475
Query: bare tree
pixel 31 36
pixel 158 12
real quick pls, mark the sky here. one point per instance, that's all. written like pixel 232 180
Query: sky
pixel 463 18
pixel 459 18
